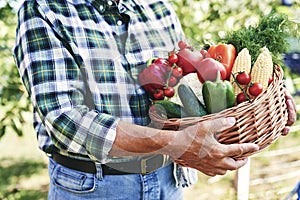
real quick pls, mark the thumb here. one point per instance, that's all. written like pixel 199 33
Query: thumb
pixel 235 150
pixel 219 124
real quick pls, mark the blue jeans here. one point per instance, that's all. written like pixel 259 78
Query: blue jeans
pixel 66 184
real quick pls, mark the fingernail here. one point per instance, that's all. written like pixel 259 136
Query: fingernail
pixel 231 121
pixel 256 147
pixel 290 103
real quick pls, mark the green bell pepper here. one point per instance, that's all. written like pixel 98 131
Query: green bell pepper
pixel 218 95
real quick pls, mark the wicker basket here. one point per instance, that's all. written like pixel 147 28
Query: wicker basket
pixel 260 121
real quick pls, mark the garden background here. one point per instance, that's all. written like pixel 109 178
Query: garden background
pixel 23 168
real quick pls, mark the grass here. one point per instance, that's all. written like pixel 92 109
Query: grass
pixel 23 168
pixel 17 177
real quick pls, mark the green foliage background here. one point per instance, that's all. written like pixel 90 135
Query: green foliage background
pixel 202 21
pixel 208 21
pixel 13 100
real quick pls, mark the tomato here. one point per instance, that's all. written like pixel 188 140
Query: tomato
pixel 159 94
pixel 161 62
pixel 243 78
pixel 177 72
pixel 208 68
pixel 169 92
pixel 188 59
pixel 173 58
pixel 225 53
pixel 255 89
pixel 241 98
pixel 172 81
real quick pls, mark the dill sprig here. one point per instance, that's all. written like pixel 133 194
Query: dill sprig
pixel 271 31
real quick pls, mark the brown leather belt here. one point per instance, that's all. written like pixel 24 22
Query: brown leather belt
pixel 142 166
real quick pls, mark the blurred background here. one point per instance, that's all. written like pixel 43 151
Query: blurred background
pixel 273 173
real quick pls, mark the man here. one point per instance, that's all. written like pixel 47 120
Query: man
pixel 79 61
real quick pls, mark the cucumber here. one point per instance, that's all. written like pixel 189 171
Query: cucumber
pixel 170 109
pixel 190 102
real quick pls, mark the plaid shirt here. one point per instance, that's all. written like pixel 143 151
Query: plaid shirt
pixel 59 44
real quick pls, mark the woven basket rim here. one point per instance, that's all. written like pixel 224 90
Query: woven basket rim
pixel 273 100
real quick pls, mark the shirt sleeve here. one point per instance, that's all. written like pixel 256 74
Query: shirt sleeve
pixel 54 83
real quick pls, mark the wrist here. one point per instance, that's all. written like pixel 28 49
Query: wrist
pixel 176 145
pixel 134 140
pixel 184 140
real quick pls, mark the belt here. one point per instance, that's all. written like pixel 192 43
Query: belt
pixel 142 166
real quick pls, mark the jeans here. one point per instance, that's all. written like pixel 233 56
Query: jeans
pixel 66 184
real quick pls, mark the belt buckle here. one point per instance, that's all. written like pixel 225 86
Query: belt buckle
pixel 144 167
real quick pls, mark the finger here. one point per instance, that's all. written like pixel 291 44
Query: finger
pixel 234 150
pixel 291 104
pixel 286 130
pixel 213 171
pixel 289 96
pixel 212 174
pixel 181 162
pixel 232 164
pixel 240 163
pixel 291 112
pixel 219 124
pixel 217 171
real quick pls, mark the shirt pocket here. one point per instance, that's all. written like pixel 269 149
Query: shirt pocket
pixel 73 181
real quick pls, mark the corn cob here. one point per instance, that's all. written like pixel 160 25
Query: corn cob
pixel 242 63
pixel 262 68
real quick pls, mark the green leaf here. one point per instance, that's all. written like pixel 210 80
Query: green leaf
pixel 2 131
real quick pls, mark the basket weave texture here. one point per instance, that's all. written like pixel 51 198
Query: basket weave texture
pixel 260 121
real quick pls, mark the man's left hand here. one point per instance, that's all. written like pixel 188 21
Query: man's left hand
pixel 292 112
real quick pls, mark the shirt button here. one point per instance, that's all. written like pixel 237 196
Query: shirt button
pixel 101 7
pixel 119 22
pixel 110 3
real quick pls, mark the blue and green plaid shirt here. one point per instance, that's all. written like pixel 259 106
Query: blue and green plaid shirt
pixel 59 44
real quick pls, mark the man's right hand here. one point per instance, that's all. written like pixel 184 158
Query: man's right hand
pixel 196 147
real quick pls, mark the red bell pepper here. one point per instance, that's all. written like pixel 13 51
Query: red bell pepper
pixel 224 53
pixel 208 69
pixel 153 77
pixel 188 59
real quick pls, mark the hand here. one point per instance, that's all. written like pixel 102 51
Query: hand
pixel 203 152
pixel 292 112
